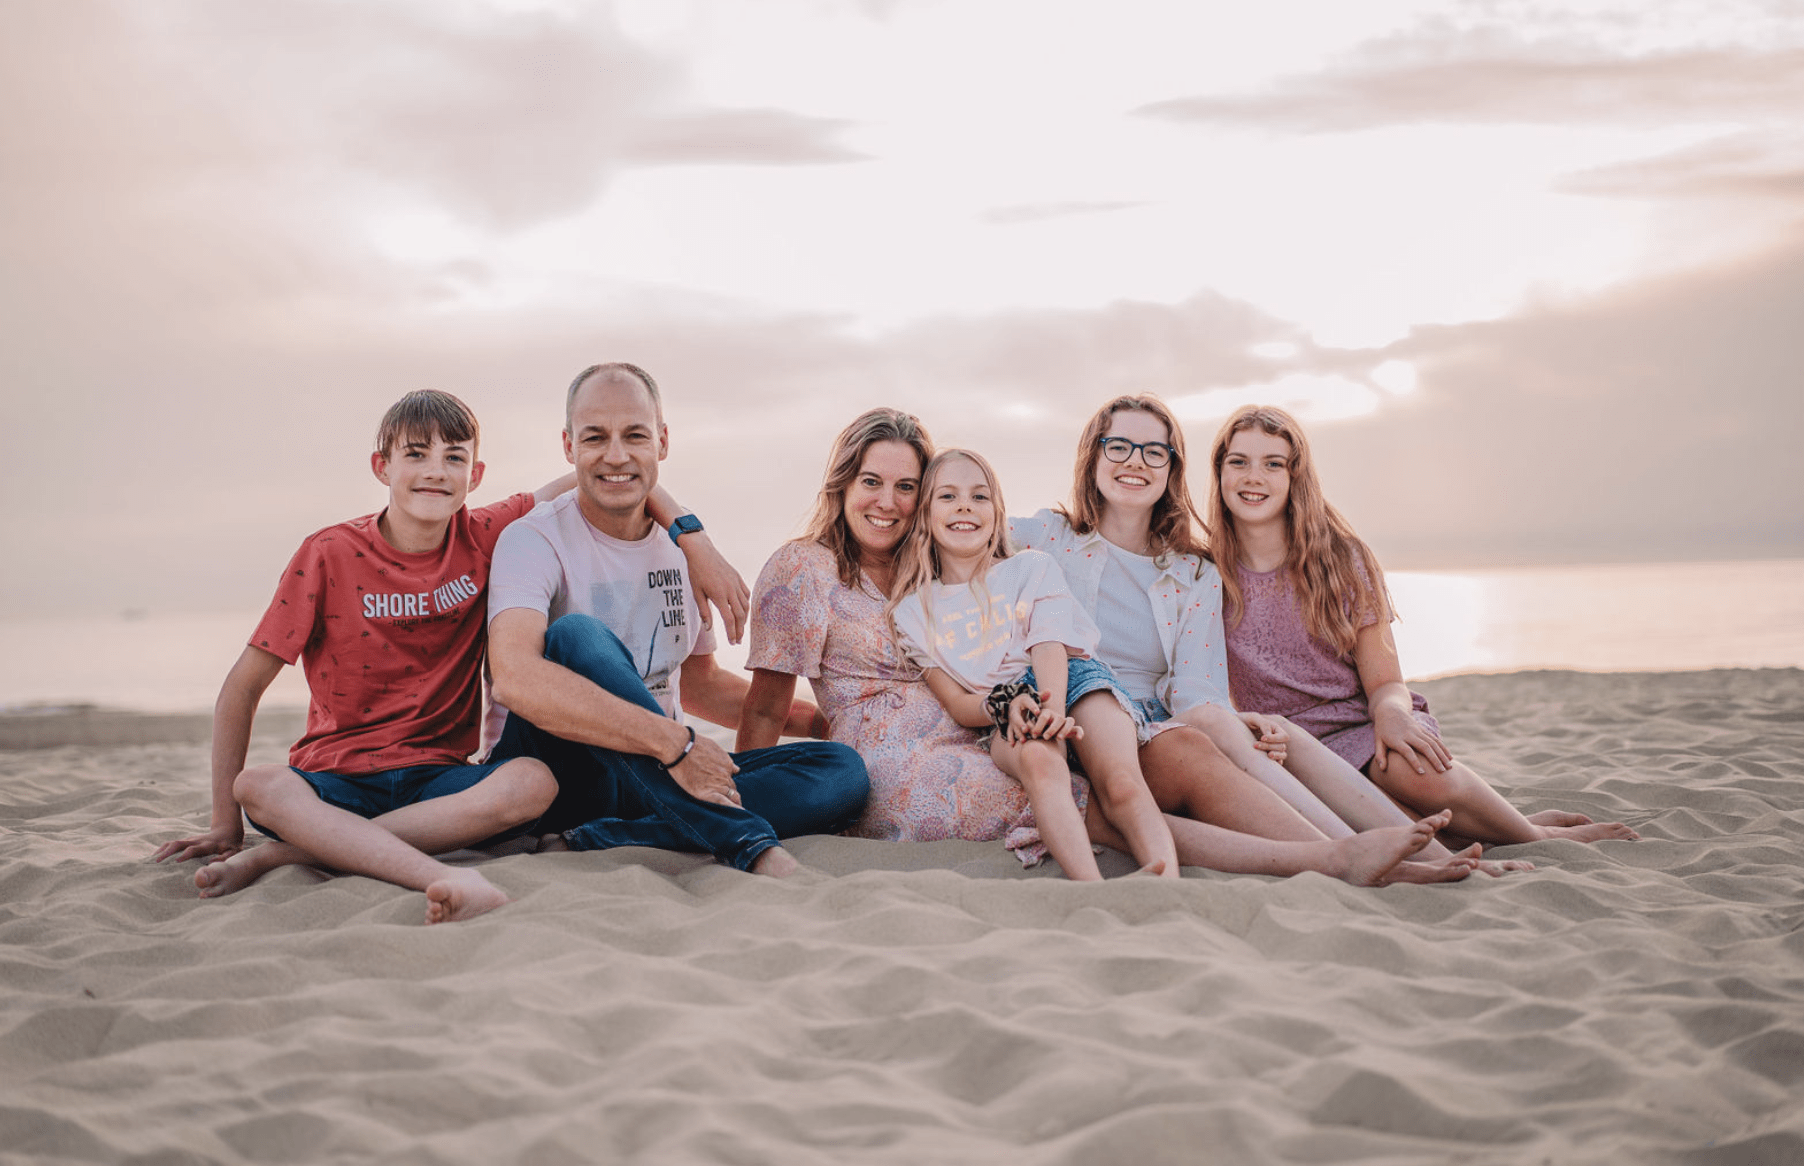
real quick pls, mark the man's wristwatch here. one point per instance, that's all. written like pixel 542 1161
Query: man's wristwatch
pixel 687 745
pixel 686 524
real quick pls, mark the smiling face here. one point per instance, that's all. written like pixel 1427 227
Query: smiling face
pixel 881 499
pixel 1133 485
pixel 1255 476
pixel 427 480
pixel 961 510
pixel 615 441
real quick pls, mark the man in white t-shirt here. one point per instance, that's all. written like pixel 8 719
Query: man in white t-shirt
pixel 597 646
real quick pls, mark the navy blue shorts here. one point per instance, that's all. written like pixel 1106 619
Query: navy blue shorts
pixel 370 795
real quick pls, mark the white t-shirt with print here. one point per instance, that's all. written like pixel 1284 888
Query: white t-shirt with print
pixel 553 562
pixel 979 634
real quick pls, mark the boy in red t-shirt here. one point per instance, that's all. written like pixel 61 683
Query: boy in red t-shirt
pixel 385 614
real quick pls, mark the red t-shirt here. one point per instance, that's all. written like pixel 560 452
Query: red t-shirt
pixel 391 643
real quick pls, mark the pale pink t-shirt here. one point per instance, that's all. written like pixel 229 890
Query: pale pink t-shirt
pixel 980 634
pixel 553 562
pixel 1276 666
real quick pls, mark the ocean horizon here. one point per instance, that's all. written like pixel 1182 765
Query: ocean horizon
pixel 1643 617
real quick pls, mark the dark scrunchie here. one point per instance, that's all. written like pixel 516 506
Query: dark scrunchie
pixel 1003 695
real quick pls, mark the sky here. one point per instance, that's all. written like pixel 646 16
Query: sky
pixel 1531 274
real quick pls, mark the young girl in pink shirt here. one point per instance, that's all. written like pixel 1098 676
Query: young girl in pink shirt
pixel 1005 646
pixel 1308 635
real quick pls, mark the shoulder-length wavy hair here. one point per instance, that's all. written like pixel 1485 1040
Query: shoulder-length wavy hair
pixel 827 525
pixel 1322 555
pixel 918 559
pixel 1176 527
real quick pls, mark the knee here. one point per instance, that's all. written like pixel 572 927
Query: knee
pixel 841 777
pixel 1042 763
pixel 528 786
pixel 577 640
pixel 1114 783
pixel 256 786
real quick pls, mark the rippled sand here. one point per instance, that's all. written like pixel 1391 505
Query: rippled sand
pixel 1628 1002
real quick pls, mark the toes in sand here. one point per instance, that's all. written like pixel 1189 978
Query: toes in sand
pixel 1559 818
pixel 1372 859
pixel 1592 832
pixel 462 894
pixel 233 874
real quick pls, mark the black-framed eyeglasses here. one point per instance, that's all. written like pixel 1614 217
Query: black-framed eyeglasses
pixel 1120 449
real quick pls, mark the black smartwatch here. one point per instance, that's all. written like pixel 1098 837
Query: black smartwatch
pixel 687 524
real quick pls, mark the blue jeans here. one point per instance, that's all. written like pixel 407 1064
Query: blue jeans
pixel 608 799
pixel 370 795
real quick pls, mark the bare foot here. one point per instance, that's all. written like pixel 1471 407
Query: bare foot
pixel 1591 832
pixel 551 844
pixel 776 863
pixel 1446 870
pixel 246 867
pixel 1559 818
pixel 1154 869
pixel 1370 859
pixel 462 894
pixel 1499 867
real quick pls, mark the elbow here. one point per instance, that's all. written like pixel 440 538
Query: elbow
pixel 505 687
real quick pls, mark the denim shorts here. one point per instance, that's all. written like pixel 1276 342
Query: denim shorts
pixel 369 795
pixel 1084 676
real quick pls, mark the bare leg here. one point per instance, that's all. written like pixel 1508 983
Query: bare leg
pixel 1373 859
pixel 390 847
pixel 1111 756
pixel 1040 768
pixel 1337 809
pixel 1320 782
pixel 1189 777
pixel 1479 811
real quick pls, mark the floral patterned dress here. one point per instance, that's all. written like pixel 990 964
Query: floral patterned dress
pixel 930 779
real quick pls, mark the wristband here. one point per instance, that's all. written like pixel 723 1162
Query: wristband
pixel 1002 696
pixel 687 745
pixel 685 524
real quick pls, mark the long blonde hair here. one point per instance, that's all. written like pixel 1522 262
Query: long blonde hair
pixel 918 559
pixel 1176 528
pixel 1322 555
pixel 827 525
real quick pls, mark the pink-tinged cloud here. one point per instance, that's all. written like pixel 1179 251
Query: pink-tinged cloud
pixel 1657 421
pixel 1493 76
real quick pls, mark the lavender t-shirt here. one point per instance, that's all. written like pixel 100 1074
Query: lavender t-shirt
pixel 1276 666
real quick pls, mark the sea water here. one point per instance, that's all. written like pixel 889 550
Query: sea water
pixel 1639 617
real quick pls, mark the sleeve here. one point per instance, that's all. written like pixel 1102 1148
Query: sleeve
pixel 913 634
pixel 1365 604
pixel 1199 650
pixel 1032 533
pixel 526 572
pixel 294 613
pixel 487 522
pixel 1053 612
pixel 791 611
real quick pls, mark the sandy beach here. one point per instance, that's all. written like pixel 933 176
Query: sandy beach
pixel 1627 1002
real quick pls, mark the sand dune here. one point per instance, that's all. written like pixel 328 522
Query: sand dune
pixel 1628 1002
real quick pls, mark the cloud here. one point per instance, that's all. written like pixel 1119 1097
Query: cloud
pixel 1494 76
pixel 1739 166
pixel 754 137
pixel 1658 421
pixel 505 119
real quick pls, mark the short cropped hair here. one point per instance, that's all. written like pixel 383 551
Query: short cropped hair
pixel 423 416
pixel 614 370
